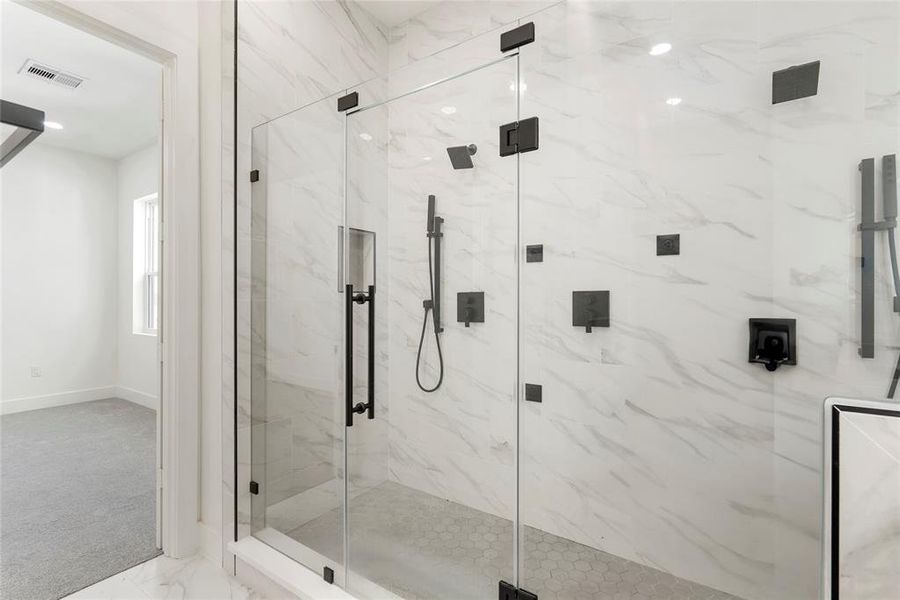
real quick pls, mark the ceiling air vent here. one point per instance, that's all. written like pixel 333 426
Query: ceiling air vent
pixel 37 70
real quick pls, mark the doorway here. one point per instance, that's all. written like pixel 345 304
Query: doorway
pixel 80 310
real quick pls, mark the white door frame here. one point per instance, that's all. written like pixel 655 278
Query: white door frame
pixel 150 29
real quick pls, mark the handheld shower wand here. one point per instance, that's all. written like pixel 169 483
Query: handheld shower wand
pixel 433 303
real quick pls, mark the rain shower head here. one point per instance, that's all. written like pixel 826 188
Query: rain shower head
pixel 461 156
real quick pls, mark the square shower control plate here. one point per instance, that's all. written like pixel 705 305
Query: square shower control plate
pixel 470 307
pixel 590 309
pixel 668 245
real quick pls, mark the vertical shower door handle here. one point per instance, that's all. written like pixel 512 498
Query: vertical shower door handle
pixel 369 406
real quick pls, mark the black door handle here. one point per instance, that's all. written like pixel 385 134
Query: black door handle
pixel 360 407
pixel 348 354
pixel 371 397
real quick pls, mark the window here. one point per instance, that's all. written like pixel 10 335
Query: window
pixel 146 265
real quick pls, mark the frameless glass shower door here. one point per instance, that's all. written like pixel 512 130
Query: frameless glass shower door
pixel 432 466
pixel 384 338
pixel 297 433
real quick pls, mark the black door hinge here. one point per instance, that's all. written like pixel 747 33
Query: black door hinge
pixel 254 175
pixel 534 392
pixel 510 592
pixel 347 102
pixel 519 136
pixel 524 34
pixel 254 488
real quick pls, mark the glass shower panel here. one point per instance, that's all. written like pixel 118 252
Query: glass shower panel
pixel 675 200
pixel 432 476
pixel 296 341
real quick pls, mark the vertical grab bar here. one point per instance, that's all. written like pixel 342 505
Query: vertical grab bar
pixel 348 354
pixel 867 264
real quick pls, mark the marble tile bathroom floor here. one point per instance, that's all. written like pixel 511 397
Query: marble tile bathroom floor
pixel 195 578
pixel 422 547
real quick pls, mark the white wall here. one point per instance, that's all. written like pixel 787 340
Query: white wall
pixel 212 84
pixel 67 273
pixel 58 276
pixel 137 373
pixel 68 228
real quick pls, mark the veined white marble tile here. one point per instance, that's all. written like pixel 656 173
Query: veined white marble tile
pixel 167 578
pixel 870 506
pixel 656 440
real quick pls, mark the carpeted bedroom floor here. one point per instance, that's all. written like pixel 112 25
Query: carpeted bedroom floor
pixel 77 496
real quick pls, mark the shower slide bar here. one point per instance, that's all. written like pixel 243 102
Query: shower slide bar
pixel 867 263
pixel 868 227
pixel 362 407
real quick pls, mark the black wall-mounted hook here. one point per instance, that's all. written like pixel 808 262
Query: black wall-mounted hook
pixel 470 307
pixel 590 309
pixel 773 342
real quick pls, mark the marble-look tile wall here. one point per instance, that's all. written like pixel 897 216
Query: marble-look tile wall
pixel 656 440
pixel 870 506
pixel 458 442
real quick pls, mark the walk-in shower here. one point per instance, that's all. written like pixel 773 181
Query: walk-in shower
pixel 655 263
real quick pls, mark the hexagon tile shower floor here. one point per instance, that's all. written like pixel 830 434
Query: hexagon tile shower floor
pixel 397 530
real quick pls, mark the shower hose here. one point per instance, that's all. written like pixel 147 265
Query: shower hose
pixel 429 306
pixel 895 273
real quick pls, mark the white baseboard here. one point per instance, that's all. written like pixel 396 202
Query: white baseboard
pixel 132 395
pixel 15 405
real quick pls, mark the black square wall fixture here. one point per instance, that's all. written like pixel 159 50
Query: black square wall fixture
pixel 668 245
pixel 590 309
pixel 470 307
pixel 534 392
pixel 534 253
pixel 773 342
pixel 328 575
pixel 793 83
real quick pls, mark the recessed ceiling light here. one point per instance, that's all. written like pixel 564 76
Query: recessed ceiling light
pixel 673 101
pixel 366 137
pixel 52 125
pixel 660 48
pixel 512 86
pixel 448 110
pixel 426 158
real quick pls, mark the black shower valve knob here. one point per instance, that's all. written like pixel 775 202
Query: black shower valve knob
pixel 773 342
